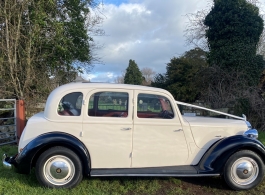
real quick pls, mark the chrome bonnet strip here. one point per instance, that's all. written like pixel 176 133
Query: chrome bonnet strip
pixel 215 111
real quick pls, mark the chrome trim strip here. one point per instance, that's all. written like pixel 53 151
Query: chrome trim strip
pixel 215 111
pixel 156 175
pixel 249 125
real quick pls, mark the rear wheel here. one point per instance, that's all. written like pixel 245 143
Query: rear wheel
pixel 59 167
pixel 244 170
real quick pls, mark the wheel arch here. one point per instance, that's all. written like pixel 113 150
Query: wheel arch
pixel 28 157
pixel 253 149
pixel 215 158
pixel 86 168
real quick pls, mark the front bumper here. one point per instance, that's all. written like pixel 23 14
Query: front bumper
pixel 8 162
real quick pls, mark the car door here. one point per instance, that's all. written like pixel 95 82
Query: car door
pixel 107 127
pixel 158 138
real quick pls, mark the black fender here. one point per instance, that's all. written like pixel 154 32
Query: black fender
pixel 30 153
pixel 215 158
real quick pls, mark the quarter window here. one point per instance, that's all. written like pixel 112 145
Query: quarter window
pixel 70 104
pixel 154 106
pixel 108 104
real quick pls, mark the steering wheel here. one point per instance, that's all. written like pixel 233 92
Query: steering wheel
pixel 166 114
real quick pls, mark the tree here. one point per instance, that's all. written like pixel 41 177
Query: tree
pixel 148 75
pixel 133 75
pixel 233 34
pixel 40 39
pixel 196 29
pixel 120 79
pixel 234 29
pixel 160 81
pixel 181 75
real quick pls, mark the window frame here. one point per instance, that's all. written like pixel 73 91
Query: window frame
pixel 94 112
pixel 152 115
pixel 65 113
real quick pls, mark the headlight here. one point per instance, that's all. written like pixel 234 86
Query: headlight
pixel 252 133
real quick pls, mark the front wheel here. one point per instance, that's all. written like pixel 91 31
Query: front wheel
pixel 59 167
pixel 243 170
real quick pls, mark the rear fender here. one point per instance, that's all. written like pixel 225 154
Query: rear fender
pixel 29 155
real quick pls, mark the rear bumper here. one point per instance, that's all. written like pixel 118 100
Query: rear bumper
pixel 8 162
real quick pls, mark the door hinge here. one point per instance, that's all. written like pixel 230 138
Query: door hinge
pixel 81 134
pixel 131 154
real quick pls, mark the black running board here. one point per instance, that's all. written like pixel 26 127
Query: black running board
pixel 173 171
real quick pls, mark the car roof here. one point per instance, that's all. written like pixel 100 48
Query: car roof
pixel 50 111
pixel 84 85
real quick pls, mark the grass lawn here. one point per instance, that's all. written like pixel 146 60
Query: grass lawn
pixel 15 184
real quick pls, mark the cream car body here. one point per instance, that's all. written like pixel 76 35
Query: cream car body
pixel 123 130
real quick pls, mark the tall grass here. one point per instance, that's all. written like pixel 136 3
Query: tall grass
pixel 262 136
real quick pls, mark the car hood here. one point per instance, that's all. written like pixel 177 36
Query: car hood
pixel 206 130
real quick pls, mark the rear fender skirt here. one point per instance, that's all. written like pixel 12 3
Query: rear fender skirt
pixel 215 158
pixel 25 160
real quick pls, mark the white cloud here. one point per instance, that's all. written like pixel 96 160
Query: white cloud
pixel 89 76
pixel 147 32
pixel 110 75
pixel 100 76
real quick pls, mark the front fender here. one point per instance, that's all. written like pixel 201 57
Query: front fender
pixel 29 155
pixel 215 158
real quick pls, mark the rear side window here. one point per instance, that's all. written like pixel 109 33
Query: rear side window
pixel 70 104
pixel 108 104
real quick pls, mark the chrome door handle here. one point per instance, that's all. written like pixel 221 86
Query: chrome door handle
pixel 178 130
pixel 126 129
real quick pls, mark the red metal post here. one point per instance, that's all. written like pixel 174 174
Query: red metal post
pixel 20 117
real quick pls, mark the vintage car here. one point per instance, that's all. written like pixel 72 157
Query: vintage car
pixel 102 129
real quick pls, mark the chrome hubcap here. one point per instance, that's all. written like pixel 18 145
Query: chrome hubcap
pixel 244 171
pixel 59 170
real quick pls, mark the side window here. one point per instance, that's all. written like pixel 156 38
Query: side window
pixel 91 102
pixel 108 104
pixel 70 104
pixel 154 106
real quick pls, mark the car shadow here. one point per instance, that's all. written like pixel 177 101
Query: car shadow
pixel 209 182
pixel 212 182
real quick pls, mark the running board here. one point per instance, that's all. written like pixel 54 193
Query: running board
pixel 174 171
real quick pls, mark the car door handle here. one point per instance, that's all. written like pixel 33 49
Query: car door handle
pixel 178 130
pixel 126 129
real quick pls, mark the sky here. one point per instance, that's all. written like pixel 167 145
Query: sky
pixel 147 31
